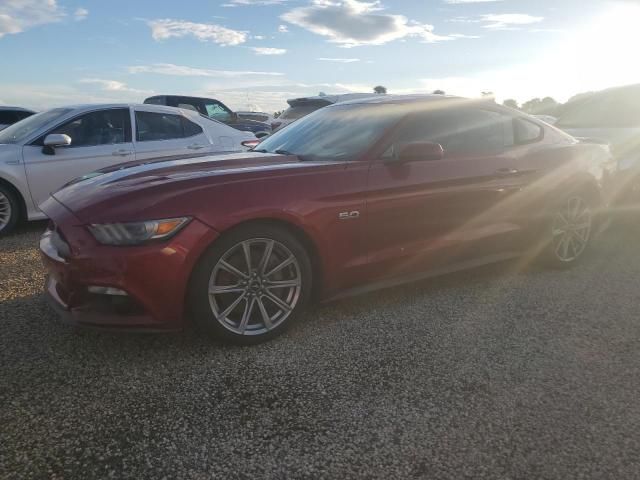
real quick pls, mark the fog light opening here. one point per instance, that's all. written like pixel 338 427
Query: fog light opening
pixel 107 291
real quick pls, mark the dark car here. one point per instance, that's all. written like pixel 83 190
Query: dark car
pixel 214 109
pixel 11 115
pixel 610 116
pixel 385 191
pixel 301 107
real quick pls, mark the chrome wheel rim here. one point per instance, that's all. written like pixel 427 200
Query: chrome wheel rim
pixel 255 286
pixel 5 211
pixel 571 229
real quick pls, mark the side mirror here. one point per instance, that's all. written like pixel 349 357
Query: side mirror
pixel 57 140
pixel 54 140
pixel 420 152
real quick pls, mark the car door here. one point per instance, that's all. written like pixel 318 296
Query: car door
pixel 429 213
pixel 161 134
pixel 99 139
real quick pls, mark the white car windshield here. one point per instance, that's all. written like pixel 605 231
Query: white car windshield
pixel 21 130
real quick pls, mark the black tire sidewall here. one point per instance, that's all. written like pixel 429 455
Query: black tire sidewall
pixel 15 210
pixel 198 295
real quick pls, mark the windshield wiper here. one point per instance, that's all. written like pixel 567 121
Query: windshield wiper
pixel 284 152
pixel 279 152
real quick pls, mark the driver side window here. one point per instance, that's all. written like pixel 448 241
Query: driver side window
pixel 461 132
pixel 104 127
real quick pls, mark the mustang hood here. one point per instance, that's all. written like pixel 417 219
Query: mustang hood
pixel 130 193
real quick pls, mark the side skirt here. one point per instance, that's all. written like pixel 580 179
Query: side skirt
pixel 415 277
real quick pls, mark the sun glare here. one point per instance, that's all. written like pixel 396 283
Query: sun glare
pixel 606 49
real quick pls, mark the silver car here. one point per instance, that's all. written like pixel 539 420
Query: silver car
pixel 40 154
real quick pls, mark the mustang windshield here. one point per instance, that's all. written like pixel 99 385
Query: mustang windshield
pixel 341 132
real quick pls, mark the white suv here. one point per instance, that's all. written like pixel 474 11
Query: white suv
pixel 42 153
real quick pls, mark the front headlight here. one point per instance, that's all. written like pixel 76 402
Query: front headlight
pixel 137 233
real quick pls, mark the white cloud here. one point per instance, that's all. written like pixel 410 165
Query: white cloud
pixel 268 51
pixel 43 96
pixel 352 23
pixel 111 85
pixel 339 60
pixel 462 35
pixel 163 29
pixel 508 21
pixel 500 21
pixel 185 71
pixel 80 14
pixel 19 15
pixel 283 29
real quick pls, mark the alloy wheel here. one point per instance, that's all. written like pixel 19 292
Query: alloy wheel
pixel 254 286
pixel 5 211
pixel 571 230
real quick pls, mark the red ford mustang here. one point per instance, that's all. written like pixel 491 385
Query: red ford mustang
pixel 353 197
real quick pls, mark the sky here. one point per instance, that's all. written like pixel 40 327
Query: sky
pixel 255 54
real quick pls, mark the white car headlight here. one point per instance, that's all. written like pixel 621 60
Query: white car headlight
pixel 137 233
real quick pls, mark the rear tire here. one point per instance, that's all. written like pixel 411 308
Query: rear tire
pixel 569 231
pixel 250 285
pixel 9 210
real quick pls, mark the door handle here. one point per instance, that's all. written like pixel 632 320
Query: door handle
pixel 196 146
pixel 121 153
pixel 505 172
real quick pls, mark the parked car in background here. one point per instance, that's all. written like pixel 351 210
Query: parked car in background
pixel 214 109
pixel 301 107
pixel 387 190
pixel 11 115
pixel 611 116
pixel 257 116
pixel 45 151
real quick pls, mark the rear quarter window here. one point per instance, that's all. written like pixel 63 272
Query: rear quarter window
pixel 526 131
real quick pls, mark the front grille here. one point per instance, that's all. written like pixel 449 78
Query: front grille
pixel 111 305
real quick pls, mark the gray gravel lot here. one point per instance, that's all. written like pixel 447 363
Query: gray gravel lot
pixel 497 373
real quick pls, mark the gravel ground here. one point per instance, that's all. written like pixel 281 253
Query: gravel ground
pixel 498 373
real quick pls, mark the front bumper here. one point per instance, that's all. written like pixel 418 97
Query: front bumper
pixel 155 277
pixel 94 320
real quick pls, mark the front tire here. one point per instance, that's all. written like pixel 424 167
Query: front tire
pixel 251 284
pixel 9 210
pixel 570 231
